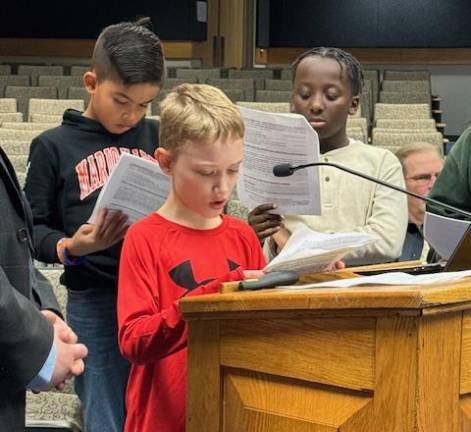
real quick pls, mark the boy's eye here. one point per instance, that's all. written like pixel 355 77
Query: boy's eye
pixel 120 102
pixel 331 96
pixel 207 173
pixel 304 96
pixel 233 171
pixel 144 106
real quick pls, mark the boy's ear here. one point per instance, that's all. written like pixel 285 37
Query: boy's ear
pixel 90 81
pixel 164 159
pixel 354 105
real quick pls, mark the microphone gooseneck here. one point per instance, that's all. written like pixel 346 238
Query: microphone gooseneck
pixel 286 169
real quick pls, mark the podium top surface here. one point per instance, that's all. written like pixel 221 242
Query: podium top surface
pixel 415 299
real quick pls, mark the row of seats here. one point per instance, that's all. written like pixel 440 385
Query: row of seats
pixel 410 121
pixel 398 124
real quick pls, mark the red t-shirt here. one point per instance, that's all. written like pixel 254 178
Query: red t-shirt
pixel 162 261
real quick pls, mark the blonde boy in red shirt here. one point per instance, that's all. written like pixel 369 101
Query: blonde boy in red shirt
pixel 188 247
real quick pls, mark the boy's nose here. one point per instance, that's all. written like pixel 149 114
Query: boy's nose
pixel 223 184
pixel 129 116
pixel 316 105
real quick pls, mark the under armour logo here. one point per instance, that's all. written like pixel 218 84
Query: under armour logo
pixel 183 275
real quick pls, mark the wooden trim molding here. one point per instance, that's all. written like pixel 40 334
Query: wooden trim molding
pixel 435 56
pixel 83 48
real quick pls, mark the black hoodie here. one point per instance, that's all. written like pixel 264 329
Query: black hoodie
pixel 68 165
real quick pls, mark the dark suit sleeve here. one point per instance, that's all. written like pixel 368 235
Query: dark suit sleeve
pixel 44 294
pixel 26 337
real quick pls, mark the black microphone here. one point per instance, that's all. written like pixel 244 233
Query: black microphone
pixel 286 169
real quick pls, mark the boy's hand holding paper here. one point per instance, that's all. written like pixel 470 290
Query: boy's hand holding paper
pixel 309 251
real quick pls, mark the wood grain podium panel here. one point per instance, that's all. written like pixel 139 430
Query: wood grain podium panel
pixel 465 378
pixel 298 348
pixel 259 402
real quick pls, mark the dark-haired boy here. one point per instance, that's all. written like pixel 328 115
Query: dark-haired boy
pixel 68 167
pixel 326 87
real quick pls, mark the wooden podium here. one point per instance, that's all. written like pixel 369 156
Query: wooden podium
pixel 365 359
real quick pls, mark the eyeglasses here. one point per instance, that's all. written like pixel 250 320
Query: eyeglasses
pixel 423 178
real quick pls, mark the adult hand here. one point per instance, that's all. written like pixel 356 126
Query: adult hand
pixel 109 229
pixel 69 360
pixel 264 223
pixel 66 334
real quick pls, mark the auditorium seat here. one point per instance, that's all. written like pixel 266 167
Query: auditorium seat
pixel 11 117
pixel 15 147
pixel 17 134
pixel 235 95
pixel 24 94
pixel 287 74
pixel 358 122
pixel 277 107
pixel 34 71
pixel 258 75
pixel 272 96
pixel 155 105
pixel 13 80
pixel 402 111
pixel 201 75
pixel 170 83
pixel 8 111
pixel 366 101
pixel 247 85
pixel 5 69
pixel 407 75
pixel 8 105
pixel 411 86
pixel 78 93
pixel 426 124
pixel 398 138
pixel 357 133
pixel 61 82
pixel 28 126
pixel 54 106
pixel 372 75
pixel 404 97
pixel 278 84
pixel 79 70
pixel 19 162
pixel 46 118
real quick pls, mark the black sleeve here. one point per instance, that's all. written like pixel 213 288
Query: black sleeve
pixel 26 337
pixel 41 189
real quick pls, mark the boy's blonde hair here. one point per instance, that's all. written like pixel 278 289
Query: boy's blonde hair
pixel 198 113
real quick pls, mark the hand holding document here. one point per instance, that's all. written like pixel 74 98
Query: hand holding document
pixel 136 186
pixel 271 139
pixel 444 233
pixel 309 251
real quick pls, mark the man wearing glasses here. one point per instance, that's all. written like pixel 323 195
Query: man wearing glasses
pixel 421 163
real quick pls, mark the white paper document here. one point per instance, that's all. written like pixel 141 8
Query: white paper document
pixel 444 233
pixel 393 278
pixel 136 186
pixel 309 251
pixel 272 139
